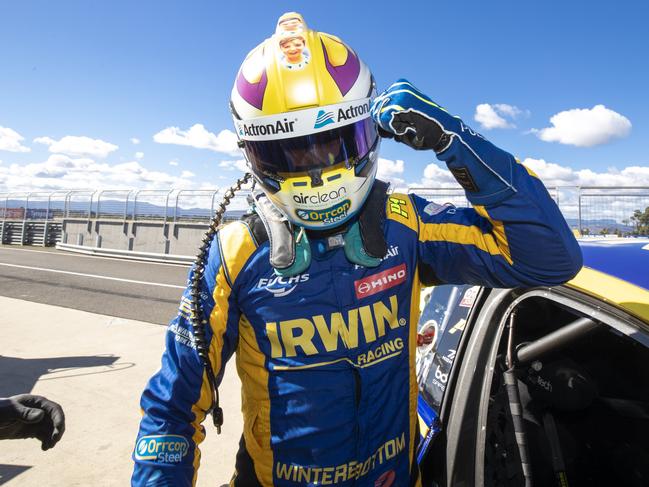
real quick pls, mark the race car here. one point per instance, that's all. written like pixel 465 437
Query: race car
pixel 541 386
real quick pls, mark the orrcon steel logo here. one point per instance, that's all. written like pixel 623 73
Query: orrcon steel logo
pixel 328 215
pixel 380 282
pixel 280 286
pixel 162 448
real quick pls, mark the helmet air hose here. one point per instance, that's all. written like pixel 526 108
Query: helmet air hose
pixel 199 322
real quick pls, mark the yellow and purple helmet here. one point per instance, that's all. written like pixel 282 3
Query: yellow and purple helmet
pixel 301 104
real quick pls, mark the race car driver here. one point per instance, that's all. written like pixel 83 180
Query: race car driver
pixel 317 289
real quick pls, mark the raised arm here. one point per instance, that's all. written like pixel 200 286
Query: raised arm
pixel 513 236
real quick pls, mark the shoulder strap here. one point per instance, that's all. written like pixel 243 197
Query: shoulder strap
pixel 236 245
pixel 371 220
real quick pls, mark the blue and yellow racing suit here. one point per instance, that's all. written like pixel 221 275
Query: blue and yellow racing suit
pixel 327 358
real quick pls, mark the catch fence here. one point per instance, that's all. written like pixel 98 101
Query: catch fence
pixel 592 210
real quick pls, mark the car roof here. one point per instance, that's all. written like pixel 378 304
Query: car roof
pixel 616 270
pixel 624 258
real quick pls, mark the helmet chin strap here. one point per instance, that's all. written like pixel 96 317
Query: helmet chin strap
pixel 290 251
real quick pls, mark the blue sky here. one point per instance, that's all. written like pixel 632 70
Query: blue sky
pixel 118 70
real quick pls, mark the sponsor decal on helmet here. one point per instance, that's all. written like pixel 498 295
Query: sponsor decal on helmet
pixel 319 197
pixel 284 126
pixel 162 448
pixel 381 281
pixel 280 286
pixel 323 118
pixel 328 215
pixel 353 111
pixel 303 122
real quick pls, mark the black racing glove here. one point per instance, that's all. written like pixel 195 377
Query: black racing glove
pixel 407 115
pixel 28 416
pixel 417 131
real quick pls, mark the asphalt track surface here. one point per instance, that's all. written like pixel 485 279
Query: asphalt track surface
pixel 143 291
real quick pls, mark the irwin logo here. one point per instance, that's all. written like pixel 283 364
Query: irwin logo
pixel 317 335
pixel 380 282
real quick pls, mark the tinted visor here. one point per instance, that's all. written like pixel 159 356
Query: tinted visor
pixel 348 144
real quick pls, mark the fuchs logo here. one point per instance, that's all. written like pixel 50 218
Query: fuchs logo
pixel 162 448
pixel 280 286
pixel 274 128
pixel 328 215
pixel 380 282
pixel 323 118
pixel 319 197
pixel 353 111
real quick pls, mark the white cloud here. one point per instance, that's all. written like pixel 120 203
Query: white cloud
pixel 390 171
pixel 187 174
pixel 10 140
pixel 495 116
pixel 139 155
pixel 134 140
pixel 64 172
pixel 198 136
pixel 585 127
pixel 173 163
pixel 436 177
pixel 239 164
pixel 554 174
pixel 73 145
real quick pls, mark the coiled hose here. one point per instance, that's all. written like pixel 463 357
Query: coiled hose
pixel 199 322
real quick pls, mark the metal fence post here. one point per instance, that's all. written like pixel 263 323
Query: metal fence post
pixel 579 210
pixel 4 219
pixel 24 228
pixel 98 215
pixel 137 193
pixel 212 207
pixel 126 206
pixel 176 205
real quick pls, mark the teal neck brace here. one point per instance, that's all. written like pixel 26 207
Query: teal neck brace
pixel 353 247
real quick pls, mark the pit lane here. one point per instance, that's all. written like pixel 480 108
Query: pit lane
pixel 143 291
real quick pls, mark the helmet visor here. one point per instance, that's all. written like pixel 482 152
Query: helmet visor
pixel 348 144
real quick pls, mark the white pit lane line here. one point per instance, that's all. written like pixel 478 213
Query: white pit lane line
pixel 85 256
pixel 92 276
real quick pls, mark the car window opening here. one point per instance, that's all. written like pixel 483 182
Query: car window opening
pixel 583 394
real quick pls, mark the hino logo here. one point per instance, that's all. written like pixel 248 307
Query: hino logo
pixel 319 197
pixel 280 286
pixel 279 127
pixel 381 281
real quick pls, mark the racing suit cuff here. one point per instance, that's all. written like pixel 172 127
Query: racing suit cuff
pixel 485 184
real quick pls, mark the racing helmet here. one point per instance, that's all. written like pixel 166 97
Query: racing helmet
pixel 300 104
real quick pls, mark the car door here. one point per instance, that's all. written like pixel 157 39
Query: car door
pixel 446 314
